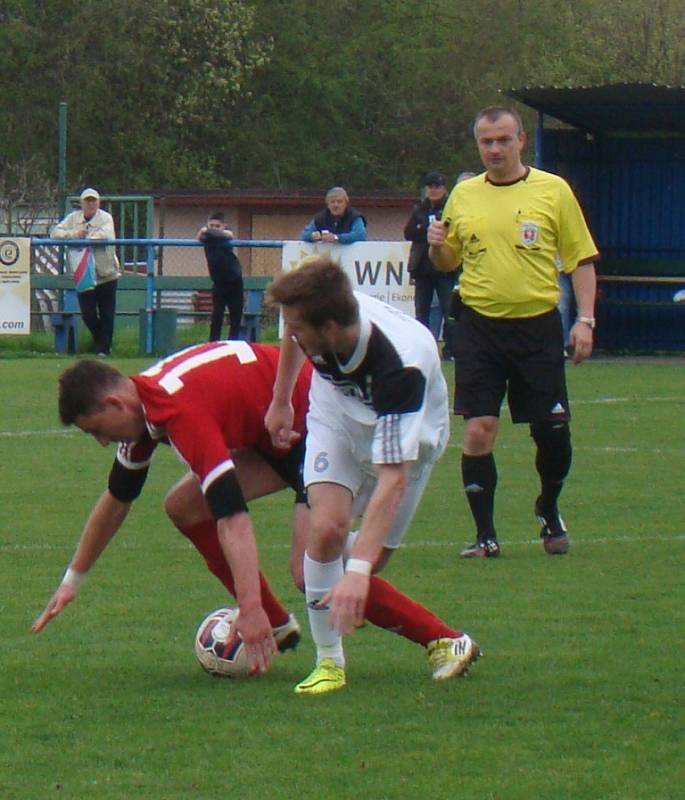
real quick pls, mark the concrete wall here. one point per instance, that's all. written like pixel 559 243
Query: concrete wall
pixel 182 218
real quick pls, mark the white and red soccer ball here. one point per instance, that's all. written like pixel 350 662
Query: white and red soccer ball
pixel 218 646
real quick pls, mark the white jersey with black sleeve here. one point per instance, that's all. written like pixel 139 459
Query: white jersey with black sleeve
pixel 390 398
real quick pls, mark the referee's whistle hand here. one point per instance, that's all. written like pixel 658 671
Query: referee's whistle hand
pixel 436 233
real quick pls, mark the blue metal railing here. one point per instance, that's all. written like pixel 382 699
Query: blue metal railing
pixel 150 276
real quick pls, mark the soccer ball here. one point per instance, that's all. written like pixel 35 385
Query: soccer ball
pixel 218 648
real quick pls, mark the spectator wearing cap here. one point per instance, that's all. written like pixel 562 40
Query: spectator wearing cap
pixel 337 223
pixel 427 280
pixel 98 305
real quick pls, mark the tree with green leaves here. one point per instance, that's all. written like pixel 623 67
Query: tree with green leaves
pixel 289 94
pixel 148 85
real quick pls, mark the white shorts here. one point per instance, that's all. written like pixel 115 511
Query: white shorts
pixel 340 455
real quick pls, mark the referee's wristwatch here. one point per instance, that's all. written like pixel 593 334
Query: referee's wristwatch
pixel 587 320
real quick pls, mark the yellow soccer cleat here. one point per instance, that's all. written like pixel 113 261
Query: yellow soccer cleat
pixel 450 658
pixel 327 676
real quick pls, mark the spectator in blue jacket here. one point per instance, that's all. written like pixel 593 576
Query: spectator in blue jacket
pixel 338 223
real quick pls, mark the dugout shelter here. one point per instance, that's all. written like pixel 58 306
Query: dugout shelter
pixel 622 148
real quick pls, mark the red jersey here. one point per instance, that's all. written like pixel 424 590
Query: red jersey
pixel 208 400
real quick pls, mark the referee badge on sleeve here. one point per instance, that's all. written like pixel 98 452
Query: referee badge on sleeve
pixel 529 232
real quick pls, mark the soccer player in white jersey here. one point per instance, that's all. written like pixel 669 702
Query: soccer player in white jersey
pixel 377 422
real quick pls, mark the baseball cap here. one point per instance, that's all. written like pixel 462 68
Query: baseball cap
pixel 90 193
pixel 435 179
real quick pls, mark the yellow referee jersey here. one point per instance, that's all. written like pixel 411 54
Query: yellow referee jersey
pixel 509 239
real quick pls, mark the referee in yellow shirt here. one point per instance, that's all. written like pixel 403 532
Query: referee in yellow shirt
pixel 508 227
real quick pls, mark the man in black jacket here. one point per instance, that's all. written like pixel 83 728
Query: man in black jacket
pixel 338 223
pixel 427 279
pixel 226 274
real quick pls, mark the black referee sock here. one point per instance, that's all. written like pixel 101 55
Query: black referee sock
pixel 552 460
pixel 479 475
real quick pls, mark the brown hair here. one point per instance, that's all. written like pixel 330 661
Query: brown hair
pixel 320 290
pixel 82 387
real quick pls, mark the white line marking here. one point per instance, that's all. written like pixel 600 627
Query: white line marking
pixel 49 432
pixel 636 399
pixel 673 537
pixel 452 443
pixel 607 449
pixel 595 401
pixel 601 400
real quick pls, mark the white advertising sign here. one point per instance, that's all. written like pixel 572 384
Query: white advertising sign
pixel 15 285
pixel 375 268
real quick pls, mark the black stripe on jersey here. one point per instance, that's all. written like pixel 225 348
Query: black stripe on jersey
pixel 126 484
pixel 401 392
pixel 381 380
pixel 224 496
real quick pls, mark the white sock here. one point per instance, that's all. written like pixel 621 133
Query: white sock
pixel 319 578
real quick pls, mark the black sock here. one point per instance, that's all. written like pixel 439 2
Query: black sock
pixel 552 461
pixel 479 475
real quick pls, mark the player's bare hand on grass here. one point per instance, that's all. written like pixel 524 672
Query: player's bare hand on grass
pixel 62 597
pixel 255 631
pixel 347 600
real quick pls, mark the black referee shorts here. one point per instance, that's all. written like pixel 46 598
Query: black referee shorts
pixel 522 358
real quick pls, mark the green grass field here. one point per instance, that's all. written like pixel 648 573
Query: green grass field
pixel 579 695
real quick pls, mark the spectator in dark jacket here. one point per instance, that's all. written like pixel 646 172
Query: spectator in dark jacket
pixel 427 280
pixel 338 223
pixel 226 274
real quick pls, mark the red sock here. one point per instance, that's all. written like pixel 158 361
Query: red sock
pixel 204 537
pixel 388 608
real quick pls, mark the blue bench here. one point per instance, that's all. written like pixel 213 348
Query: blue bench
pixel 65 322
pixel 65 327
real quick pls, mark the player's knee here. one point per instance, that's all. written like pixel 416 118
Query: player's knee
pixel 327 537
pixel 554 454
pixel 181 509
pixel 480 434
pixel 551 435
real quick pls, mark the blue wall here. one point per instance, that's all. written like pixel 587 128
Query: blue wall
pixel 632 191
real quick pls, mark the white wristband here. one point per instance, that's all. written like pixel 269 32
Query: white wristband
pixel 358 565
pixel 73 578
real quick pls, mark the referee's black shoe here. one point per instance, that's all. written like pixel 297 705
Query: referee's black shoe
pixel 488 548
pixel 553 532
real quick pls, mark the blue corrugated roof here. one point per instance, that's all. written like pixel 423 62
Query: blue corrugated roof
pixel 615 108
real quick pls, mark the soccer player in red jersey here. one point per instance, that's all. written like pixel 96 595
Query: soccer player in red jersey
pixel 208 402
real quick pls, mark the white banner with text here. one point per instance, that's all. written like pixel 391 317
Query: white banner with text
pixel 378 269
pixel 15 285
